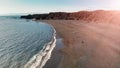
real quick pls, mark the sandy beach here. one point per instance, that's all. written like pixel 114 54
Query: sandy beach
pixel 86 45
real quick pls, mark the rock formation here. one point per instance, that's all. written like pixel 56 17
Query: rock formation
pixel 90 16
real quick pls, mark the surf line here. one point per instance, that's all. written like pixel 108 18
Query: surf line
pixel 40 59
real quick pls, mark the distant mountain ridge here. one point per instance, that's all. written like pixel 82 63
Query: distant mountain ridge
pixel 90 16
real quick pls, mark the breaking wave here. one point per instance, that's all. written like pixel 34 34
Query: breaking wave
pixel 40 59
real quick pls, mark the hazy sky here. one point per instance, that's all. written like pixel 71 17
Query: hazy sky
pixel 44 6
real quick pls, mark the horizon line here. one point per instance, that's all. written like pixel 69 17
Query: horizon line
pixel 26 13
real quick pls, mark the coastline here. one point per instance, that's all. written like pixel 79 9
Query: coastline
pixel 86 45
pixel 39 60
pixel 56 56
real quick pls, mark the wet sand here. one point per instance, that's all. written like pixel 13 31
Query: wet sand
pixel 56 56
pixel 87 45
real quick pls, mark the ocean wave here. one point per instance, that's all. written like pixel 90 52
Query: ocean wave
pixel 40 59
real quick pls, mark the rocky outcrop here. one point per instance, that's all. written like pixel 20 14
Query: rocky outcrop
pixel 90 16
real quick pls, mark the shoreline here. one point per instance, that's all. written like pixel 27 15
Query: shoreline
pixel 56 56
pixel 40 59
pixel 86 45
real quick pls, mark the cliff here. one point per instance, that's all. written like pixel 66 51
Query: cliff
pixel 90 16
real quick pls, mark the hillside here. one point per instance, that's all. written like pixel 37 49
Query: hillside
pixel 90 16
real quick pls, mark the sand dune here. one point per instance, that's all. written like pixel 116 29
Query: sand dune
pixel 88 45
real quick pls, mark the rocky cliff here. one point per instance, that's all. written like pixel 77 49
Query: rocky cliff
pixel 90 16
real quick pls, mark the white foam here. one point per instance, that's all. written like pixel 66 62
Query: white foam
pixel 40 59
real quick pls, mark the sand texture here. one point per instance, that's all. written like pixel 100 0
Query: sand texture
pixel 88 45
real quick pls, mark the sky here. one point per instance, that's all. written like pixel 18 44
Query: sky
pixel 45 6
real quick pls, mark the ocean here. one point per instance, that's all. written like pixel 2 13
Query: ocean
pixel 25 43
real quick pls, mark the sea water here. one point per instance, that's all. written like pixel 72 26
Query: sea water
pixel 25 43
